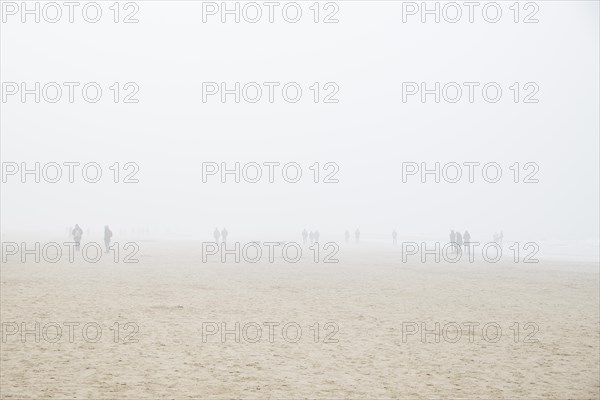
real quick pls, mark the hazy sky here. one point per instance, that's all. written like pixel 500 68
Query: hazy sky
pixel 369 133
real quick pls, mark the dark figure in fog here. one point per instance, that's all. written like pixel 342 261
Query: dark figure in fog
pixel 394 237
pixel 357 235
pixel 501 238
pixel 496 238
pixel 316 236
pixel 459 242
pixel 107 237
pixel 77 233
pixel 453 240
pixel 224 234
pixel 216 235
pixel 347 236
pixel 467 237
pixel 311 237
pixel 304 236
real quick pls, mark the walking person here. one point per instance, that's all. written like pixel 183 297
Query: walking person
pixel 107 237
pixel 467 238
pixel 459 242
pixel 77 234
pixel 224 234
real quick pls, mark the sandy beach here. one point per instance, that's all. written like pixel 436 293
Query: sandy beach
pixel 370 309
pixel 162 129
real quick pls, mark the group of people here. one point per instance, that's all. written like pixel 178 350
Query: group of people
pixel 77 234
pixel 311 236
pixel 220 235
pixel 458 240
pixel 356 236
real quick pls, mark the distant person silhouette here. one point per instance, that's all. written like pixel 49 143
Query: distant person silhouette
pixel 496 238
pixel 459 242
pixel 501 238
pixel 347 236
pixel 311 237
pixel 77 233
pixel 107 237
pixel 357 235
pixel 304 236
pixel 395 236
pixel 224 234
pixel 453 240
pixel 216 234
pixel 316 236
pixel 467 237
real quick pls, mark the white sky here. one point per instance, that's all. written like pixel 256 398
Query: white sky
pixel 369 133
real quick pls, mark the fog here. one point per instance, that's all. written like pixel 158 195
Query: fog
pixel 369 133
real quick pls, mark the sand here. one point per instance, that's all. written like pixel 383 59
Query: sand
pixel 367 296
